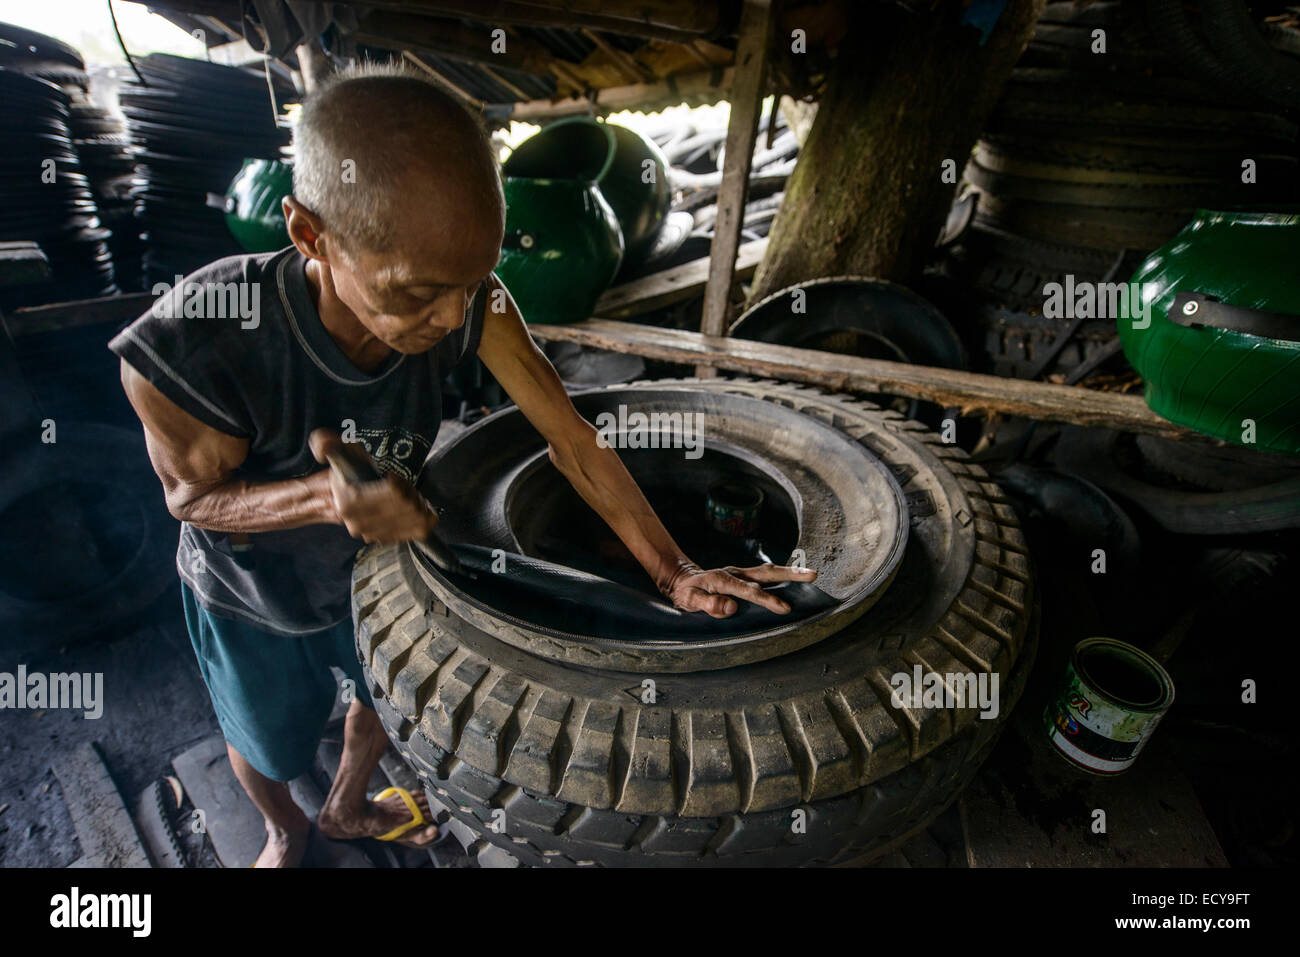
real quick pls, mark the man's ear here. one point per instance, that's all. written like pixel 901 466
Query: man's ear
pixel 305 228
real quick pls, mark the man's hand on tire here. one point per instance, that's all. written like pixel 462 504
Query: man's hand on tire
pixel 695 589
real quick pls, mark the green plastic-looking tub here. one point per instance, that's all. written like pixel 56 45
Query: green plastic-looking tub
pixel 630 171
pixel 1220 348
pixel 561 250
pixel 253 213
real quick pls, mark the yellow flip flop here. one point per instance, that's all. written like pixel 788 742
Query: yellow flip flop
pixel 417 817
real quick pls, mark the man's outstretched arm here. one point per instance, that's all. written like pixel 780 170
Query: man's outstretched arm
pixel 599 476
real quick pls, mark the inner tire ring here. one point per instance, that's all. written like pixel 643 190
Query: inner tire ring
pixel 851 520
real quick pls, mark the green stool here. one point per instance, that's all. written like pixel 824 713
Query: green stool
pixel 1220 347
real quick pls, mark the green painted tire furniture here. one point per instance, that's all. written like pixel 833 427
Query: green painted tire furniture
pixel 1221 344
pixel 253 213
pixel 630 170
pixel 562 248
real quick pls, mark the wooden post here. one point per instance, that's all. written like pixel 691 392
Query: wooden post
pixel 755 33
pixel 313 64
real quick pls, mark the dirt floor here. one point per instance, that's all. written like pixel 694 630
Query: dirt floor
pixel 155 706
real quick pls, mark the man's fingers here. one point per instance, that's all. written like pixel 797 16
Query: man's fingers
pixel 716 606
pixel 728 584
pixel 323 442
pixel 775 573
pixel 383 512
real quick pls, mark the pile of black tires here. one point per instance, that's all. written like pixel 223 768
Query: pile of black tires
pixel 193 124
pixel 1119 120
pixel 45 193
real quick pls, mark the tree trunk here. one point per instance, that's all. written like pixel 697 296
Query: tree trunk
pixel 906 92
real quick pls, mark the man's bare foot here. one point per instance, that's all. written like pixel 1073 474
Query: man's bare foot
pixel 373 818
pixel 284 848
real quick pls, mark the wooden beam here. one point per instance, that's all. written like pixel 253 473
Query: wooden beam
pixel 677 20
pixel 504 82
pixel 969 391
pixel 313 65
pixel 615 98
pixel 674 20
pixel 82 312
pixel 22 262
pixel 694 52
pixel 220 27
pixel 664 288
pixel 571 78
pixel 103 826
pixel 450 39
pixel 746 103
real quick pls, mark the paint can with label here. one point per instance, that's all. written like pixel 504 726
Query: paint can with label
pixel 734 506
pixel 1113 697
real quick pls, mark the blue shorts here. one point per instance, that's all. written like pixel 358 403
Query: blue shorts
pixel 273 694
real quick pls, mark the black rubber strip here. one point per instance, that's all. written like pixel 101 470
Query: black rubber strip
pixel 1194 309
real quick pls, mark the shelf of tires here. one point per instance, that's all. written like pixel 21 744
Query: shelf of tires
pixel 59 161
pixel 193 124
pixel 1119 121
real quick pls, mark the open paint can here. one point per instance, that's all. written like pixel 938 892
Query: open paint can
pixel 734 507
pixel 1113 697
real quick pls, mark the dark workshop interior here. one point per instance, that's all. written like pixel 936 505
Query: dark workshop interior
pixel 986 311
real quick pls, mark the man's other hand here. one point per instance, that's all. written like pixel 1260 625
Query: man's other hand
pixel 383 511
pixel 694 589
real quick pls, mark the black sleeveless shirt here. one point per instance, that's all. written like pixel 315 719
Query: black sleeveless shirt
pixel 240 346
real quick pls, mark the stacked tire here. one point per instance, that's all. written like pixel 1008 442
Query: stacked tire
pixel 1106 139
pixel 799 759
pixel 192 124
pixel 45 192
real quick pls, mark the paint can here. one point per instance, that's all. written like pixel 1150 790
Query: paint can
pixel 1113 697
pixel 733 507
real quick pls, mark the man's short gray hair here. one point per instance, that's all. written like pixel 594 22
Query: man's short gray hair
pixel 361 129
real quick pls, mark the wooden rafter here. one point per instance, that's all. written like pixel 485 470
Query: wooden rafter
pixel 677 20
pixel 451 39
pixel 694 52
pixel 496 75
pixel 614 98
pixel 451 87
pixel 624 62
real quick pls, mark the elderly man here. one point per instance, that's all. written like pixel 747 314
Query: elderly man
pixel 396 221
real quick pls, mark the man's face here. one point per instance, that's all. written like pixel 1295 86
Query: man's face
pixel 415 294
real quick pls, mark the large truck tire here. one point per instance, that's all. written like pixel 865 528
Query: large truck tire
pixel 799 759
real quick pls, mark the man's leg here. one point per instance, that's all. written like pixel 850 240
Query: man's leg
pixel 346 813
pixel 271 713
pixel 287 827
